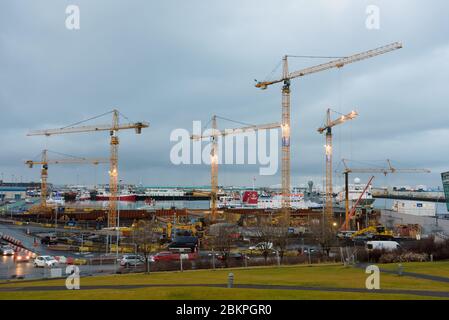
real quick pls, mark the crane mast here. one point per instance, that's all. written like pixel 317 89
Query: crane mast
pixel 114 143
pixel 285 79
pixel 113 172
pixel 328 208
pixel 285 125
pixel 214 170
pixel 45 161
pixel 214 153
pixel 44 177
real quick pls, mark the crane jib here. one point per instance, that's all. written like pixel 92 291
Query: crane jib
pixel 339 63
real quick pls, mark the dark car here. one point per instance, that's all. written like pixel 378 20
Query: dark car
pixel 49 240
pixel 184 244
pixel 233 255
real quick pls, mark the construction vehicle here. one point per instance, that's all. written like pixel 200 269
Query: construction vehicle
pixel 373 232
pixel 214 135
pixel 349 215
pixel 328 209
pixel 172 229
pixel 286 79
pixel 45 161
pixel 388 170
pixel 114 142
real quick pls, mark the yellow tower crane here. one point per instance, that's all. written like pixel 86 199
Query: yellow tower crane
pixel 285 79
pixel 214 153
pixel 114 142
pixel 44 172
pixel 328 209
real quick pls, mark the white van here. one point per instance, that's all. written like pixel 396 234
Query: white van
pixel 382 245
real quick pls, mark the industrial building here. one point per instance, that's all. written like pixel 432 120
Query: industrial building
pixel 12 193
pixel 445 178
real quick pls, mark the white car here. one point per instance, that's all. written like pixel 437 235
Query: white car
pixel 45 261
pixel 6 251
pixel 262 246
pixel 132 260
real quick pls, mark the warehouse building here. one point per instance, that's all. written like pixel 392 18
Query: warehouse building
pixel 12 193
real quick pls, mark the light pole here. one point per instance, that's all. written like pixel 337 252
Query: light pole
pixel 118 221
pixel 56 218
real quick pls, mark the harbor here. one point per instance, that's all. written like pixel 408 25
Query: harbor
pixel 150 139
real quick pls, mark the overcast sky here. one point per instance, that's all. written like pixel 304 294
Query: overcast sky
pixel 171 62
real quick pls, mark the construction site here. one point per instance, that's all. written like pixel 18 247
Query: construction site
pixel 253 226
pixel 347 213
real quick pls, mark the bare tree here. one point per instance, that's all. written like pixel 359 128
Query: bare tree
pixel 223 240
pixel 280 237
pixel 146 235
pixel 272 235
pixel 324 233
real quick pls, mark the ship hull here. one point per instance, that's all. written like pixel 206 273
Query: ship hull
pixel 130 198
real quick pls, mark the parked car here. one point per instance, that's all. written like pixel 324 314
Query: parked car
pixel 345 234
pixel 233 255
pixel 22 257
pixel 184 244
pixel 262 246
pixel 6 250
pixel 164 256
pixel 45 261
pixel 306 250
pixel 131 260
pixel 48 240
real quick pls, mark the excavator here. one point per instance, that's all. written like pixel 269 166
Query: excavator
pixel 373 232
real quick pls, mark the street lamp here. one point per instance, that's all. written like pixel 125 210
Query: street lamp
pixel 118 220
pixel 56 218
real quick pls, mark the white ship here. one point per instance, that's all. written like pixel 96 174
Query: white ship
pixel 355 191
pixel 83 196
pixel 251 199
pixel 164 193
pixel 229 202
pixel 56 200
pixel 296 202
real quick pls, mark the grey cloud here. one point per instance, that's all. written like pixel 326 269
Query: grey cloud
pixel 173 62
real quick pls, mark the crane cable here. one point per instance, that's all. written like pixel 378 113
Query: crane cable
pixel 95 117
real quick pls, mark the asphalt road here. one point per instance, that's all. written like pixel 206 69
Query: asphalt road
pixel 10 269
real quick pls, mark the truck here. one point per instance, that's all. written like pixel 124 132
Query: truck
pixel 184 244
pixel 382 245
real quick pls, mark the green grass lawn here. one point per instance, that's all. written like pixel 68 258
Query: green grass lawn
pixel 440 269
pixel 335 276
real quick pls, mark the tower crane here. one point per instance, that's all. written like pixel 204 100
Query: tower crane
pixel 387 170
pixel 328 210
pixel 286 79
pixel 44 172
pixel 214 153
pixel 114 142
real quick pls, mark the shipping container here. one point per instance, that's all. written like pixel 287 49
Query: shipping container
pixel 416 208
